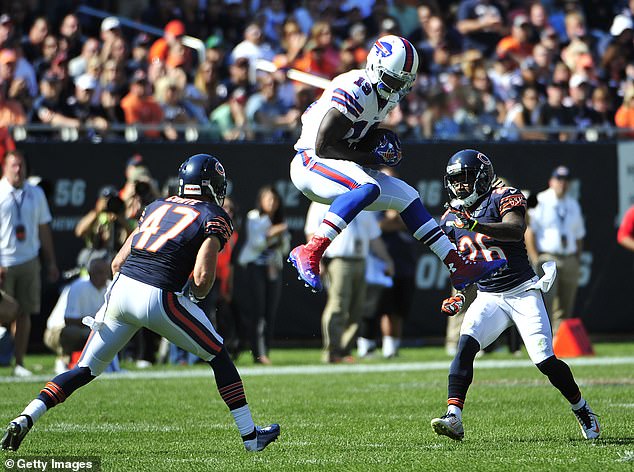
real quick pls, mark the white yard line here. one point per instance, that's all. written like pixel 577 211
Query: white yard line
pixel 331 369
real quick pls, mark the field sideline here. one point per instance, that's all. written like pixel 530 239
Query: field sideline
pixel 373 415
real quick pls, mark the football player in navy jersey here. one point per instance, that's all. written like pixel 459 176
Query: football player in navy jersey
pixel 488 223
pixel 152 287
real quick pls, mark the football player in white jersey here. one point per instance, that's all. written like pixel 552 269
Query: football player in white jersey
pixel 331 165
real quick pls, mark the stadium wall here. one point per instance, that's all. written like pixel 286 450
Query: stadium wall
pixel 75 172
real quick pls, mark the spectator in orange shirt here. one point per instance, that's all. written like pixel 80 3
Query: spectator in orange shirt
pixel 139 106
pixel 517 44
pixel 11 112
pixel 321 57
pixel 624 117
pixel 169 49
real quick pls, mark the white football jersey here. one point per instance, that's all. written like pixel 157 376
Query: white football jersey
pixel 353 95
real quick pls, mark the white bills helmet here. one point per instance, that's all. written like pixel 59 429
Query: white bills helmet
pixel 392 65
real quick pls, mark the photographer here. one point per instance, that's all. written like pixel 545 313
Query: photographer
pixel 104 229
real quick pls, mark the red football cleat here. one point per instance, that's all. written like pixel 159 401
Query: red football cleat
pixel 306 258
pixel 464 272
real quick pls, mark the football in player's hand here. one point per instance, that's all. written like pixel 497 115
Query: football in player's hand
pixel 383 144
pixel 372 139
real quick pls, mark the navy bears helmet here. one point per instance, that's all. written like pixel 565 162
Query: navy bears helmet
pixel 202 175
pixel 469 176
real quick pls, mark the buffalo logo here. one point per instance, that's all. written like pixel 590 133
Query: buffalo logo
pixel 383 48
pixel 220 169
pixel 482 158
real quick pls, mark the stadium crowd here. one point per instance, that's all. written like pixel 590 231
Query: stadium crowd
pixel 489 69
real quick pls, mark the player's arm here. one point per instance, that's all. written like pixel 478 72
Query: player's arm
pixel 204 273
pixel 123 253
pixel 511 228
pixel 330 143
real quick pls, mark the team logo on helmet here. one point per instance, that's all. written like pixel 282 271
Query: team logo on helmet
pixel 219 168
pixel 383 48
pixel 482 158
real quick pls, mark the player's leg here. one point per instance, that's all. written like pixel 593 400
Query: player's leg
pixel 101 347
pixel 182 322
pixel 342 184
pixel 530 316
pixel 484 321
pixel 400 196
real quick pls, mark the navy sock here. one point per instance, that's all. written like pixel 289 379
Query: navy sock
pixel 561 377
pixel 228 380
pixel 461 371
pixel 62 386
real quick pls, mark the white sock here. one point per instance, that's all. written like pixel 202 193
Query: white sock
pixel 579 404
pixel 433 236
pixel 455 410
pixel 35 409
pixel 364 345
pixel 389 346
pixel 331 226
pixel 243 419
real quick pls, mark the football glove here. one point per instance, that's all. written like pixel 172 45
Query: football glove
pixel 187 291
pixel 463 218
pixel 388 151
pixel 451 306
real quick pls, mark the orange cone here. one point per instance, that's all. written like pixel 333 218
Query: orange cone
pixel 572 339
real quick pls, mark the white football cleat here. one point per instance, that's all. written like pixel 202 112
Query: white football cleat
pixel 588 422
pixel 448 425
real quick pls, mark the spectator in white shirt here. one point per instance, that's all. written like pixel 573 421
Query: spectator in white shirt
pixel 345 261
pixel 556 232
pixel 84 296
pixel 24 233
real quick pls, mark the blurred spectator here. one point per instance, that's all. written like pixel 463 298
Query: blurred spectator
pixel 291 44
pixel 580 89
pixel 624 117
pixel 79 65
pixel 109 100
pixel 6 31
pixel 481 22
pixel 517 44
pixel 47 108
pixel 139 55
pixel 344 263
pixel 320 56
pixel 13 87
pixel 524 114
pixel 253 47
pixel 6 143
pixel 308 13
pixel 238 79
pixel 229 119
pixel 65 332
pixel 625 235
pixel 79 107
pixel 33 42
pixel 169 48
pixel 25 230
pixel 139 188
pixel 103 229
pixel 557 231
pixel 554 113
pixel 49 50
pixel 176 110
pixel 205 87
pixel 266 246
pixel 110 32
pixel 506 78
pixel 140 107
pixel 267 114
pixel 70 31
pixel 406 16
pixel 215 52
pixel 11 111
pixel 273 16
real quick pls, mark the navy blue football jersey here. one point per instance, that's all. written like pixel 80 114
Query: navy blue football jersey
pixel 477 246
pixel 171 231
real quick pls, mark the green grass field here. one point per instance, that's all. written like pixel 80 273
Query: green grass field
pixel 373 415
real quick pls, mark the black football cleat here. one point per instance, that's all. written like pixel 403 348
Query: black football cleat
pixel 263 437
pixel 16 432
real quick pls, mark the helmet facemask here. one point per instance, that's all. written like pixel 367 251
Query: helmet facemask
pixel 467 185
